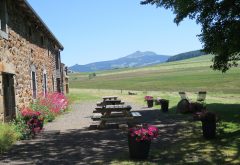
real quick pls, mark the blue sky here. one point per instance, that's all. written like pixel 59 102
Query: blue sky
pixel 100 30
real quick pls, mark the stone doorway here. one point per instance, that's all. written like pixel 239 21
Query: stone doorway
pixel 59 85
pixel 8 96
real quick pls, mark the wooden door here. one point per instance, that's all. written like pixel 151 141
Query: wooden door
pixel 9 96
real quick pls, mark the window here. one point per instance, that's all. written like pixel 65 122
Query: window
pixel 59 85
pixel 42 40
pixel 57 61
pixel 3 19
pixel 34 82
pixel 29 31
pixel 66 70
pixel 53 84
pixel 44 82
pixel 34 85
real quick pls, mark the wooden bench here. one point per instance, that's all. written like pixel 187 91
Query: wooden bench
pixel 115 117
pixel 115 108
pixel 110 102
pixel 109 98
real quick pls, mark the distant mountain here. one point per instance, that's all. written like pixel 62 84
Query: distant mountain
pixel 183 56
pixel 137 59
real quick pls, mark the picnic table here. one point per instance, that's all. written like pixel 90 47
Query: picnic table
pixel 109 98
pixel 114 113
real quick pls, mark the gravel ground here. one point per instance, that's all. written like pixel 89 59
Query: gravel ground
pixel 68 140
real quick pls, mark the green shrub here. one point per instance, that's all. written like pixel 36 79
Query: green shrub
pixel 21 128
pixel 8 136
pixel 48 115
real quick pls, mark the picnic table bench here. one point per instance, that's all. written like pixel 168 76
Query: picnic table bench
pixel 109 102
pixel 114 108
pixel 109 98
pixel 114 113
pixel 115 117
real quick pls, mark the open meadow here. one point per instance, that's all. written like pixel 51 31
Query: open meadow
pixel 188 75
pixel 165 81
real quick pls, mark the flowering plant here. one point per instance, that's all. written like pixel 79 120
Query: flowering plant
pixel 56 102
pixel 144 132
pixel 35 125
pixel 33 119
pixel 27 112
pixel 148 98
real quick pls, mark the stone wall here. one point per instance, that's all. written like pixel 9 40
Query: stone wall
pixel 22 50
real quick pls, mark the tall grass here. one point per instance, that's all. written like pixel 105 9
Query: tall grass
pixel 8 136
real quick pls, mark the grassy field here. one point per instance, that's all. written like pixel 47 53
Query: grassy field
pixel 188 75
pixel 165 81
pixel 192 148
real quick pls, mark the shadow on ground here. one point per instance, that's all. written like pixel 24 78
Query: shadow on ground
pixel 180 142
pixel 71 147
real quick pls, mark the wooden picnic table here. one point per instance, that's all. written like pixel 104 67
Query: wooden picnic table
pixel 108 109
pixel 109 98
pixel 110 102
pixel 115 113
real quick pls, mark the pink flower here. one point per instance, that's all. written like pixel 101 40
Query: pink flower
pixel 144 132
pixel 148 98
pixel 56 102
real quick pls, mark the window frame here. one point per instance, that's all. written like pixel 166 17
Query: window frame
pixel 45 90
pixel 3 19
pixel 34 83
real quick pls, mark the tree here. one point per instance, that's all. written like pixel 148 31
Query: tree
pixel 220 21
pixel 91 75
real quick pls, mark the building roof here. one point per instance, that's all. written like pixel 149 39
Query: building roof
pixel 32 14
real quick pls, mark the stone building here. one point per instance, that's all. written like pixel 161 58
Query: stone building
pixel 65 84
pixel 30 62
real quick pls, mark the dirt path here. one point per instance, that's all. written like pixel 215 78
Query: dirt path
pixel 67 140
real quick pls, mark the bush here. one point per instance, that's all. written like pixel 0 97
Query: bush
pixel 50 105
pixel 45 108
pixel 21 128
pixel 56 102
pixel 8 136
pixel 45 111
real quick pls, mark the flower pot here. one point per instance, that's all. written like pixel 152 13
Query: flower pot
pixel 209 125
pixel 138 150
pixel 150 103
pixel 164 105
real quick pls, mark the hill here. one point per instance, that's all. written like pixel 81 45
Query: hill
pixel 187 55
pixel 136 59
pixel 188 75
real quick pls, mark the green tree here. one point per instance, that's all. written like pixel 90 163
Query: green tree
pixel 92 75
pixel 220 21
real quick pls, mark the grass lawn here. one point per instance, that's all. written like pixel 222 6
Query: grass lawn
pixel 188 75
pixel 184 145
pixel 187 145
